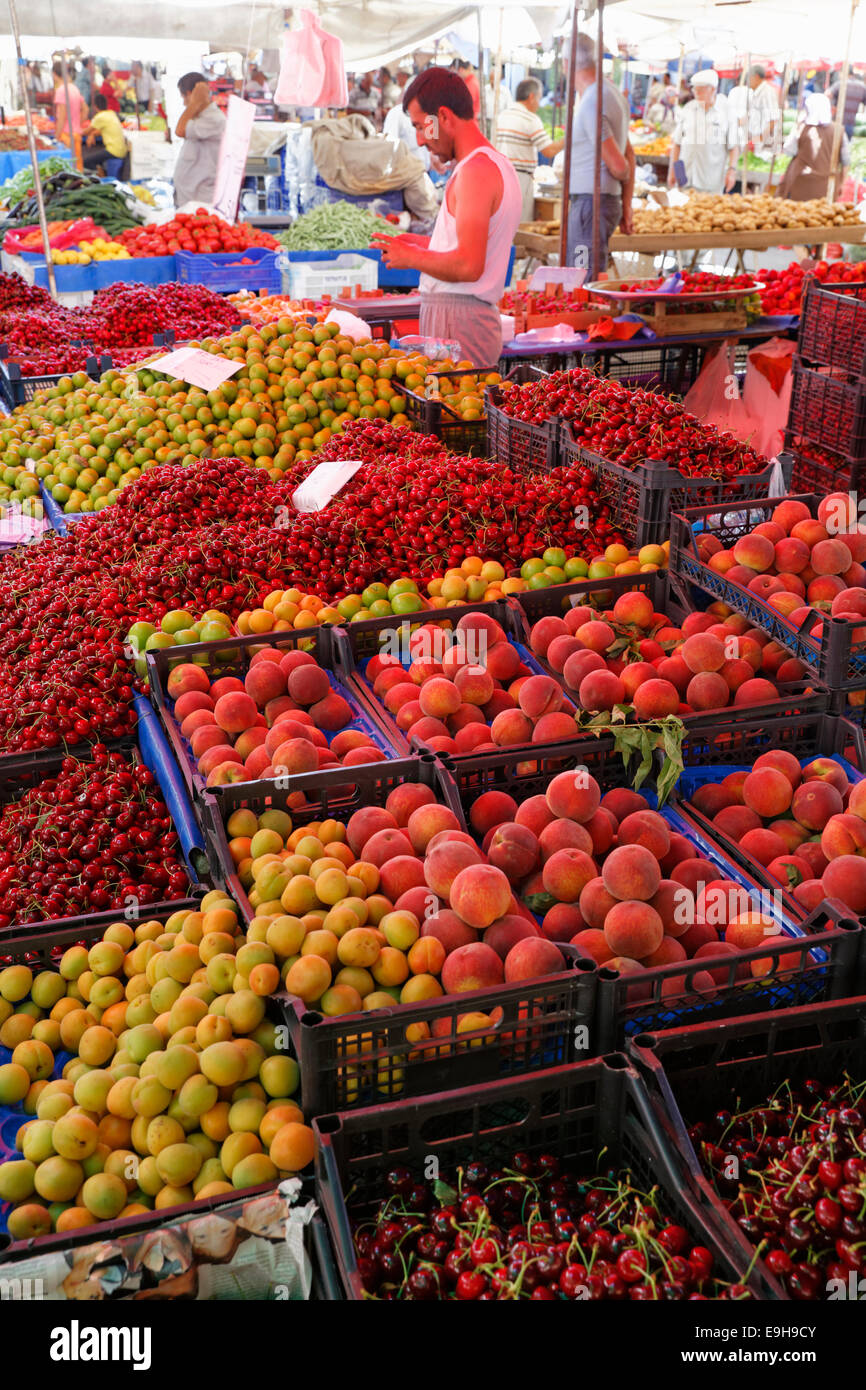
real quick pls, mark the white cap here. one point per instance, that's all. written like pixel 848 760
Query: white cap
pixel 707 77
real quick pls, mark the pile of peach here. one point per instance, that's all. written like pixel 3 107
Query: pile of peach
pixel 796 562
pixel 468 690
pixel 273 722
pixel 806 826
pixel 611 877
pixel 634 657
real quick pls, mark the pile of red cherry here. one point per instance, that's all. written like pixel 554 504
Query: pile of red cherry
pixel 530 1230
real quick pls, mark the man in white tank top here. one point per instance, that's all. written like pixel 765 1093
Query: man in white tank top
pixel 464 263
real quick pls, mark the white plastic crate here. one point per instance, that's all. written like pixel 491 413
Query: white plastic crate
pixel 312 279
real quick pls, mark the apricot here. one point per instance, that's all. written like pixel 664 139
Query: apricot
pixel 293 1147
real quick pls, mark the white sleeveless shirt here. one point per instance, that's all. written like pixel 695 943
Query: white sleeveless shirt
pixel 500 235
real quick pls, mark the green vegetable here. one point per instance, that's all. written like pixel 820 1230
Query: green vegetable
pixel 16 189
pixel 336 227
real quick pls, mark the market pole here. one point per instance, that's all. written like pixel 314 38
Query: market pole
pixel 777 143
pixel 34 158
pixel 840 105
pixel 744 81
pixel 482 95
pixel 568 131
pixel 596 175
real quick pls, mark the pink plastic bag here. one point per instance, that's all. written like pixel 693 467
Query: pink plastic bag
pixel 312 71
pixel 715 397
pixel 767 392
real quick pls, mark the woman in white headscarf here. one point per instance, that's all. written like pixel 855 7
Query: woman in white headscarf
pixel 811 144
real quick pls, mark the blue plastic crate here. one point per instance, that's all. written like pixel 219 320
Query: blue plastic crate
pixel 70 279
pixel 223 273
pixel 138 270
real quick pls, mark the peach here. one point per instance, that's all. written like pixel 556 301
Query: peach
pixel 385 845
pixel 635 674
pixel 756 692
pixel 225 686
pixel 440 697
pixel 560 649
pixel 814 856
pixel 646 828
pixel 735 673
pixel 579 664
pixel 474 684
pixel 506 931
pixel 756 551
pixel 742 575
pixel 428 821
pixel 857 800
pixel 674 670
pixel 670 952
pixel 566 874
pixel 844 834
pixel 789 832
pixel 446 927
pixel 264 682
pixel 216 754
pixel 563 834
pixel 810 893
pixel 479 894
pixel 814 803
pixel 515 850
pixel 185 678
pixel 211 736
pixel 826 770
pixel 503 661
pixel 534 813
pixel 544 632
pixel 789 870
pixel 235 712
pixel 711 798
pixel 708 690
pixel 722 561
pixel 838 511
pixel 574 796
pixel 387 679
pixel 472 737
pixel 675 904
pixel 561 922
pixel 633 929
pixel 734 821
pixel 696 622
pixel 846 601
pixel 845 879
pixel 191 701
pixel 749 929
pixel 511 727
pixel 733 785
pixel 766 585
pixel 592 943
pixel 554 728
pixel 656 699
pixel 762 845
pixel 789 513
pixel 491 809
pixel 308 684
pixel 540 695
pixel 769 965
pixel 792 555
pixel 595 903
pixel 630 872
pixel 404 799
pixel 781 761
pixel 694 874
pixel 771 529
pixel 823 589
pixel 810 531
pixel 479 629
pixel 722 974
pixel 601 828
pixel 399 695
pixel 400 874
pixel 697 935
pixel 332 713
pixel 364 824
pixel 471 967
pixel 622 801
pixel 532 959
pixel 768 792
pixel 831 557
pixel 703 652
pixel 595 635
pixel 601 690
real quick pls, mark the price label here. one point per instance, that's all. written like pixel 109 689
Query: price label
pixel 325 481
pixel 202 369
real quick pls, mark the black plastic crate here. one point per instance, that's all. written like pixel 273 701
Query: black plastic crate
pixel 833 326
pixel 593 1115
pixel 431 416
pixel 557 598
pixel 517 443
pixel 365 1059
pixel 813 733
pixel 833 473
pixel 232 657
pixel 641 500
pixel 336 792
pixel 16 389
pixel 828 409
pixel 668 368
pixel 836 658
pixel 691 1072
pixel 824 961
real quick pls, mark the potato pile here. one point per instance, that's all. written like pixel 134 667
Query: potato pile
pixel 718 212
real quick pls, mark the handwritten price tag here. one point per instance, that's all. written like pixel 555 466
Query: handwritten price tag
pixel 325 481
pixel 199 368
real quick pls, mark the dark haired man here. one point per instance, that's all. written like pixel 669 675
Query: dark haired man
pixel 201 128
pixel 464 263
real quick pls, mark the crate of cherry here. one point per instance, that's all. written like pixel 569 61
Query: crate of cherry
pixel 828 408
pixel 766 1114
pixel 815 469
pixel 793 570
pixel 113 830
pixel 514 437
pixel 21 379
pixel 678 928
pixel 403 949
pixel 833 326
pixel 248 710
pixel 578 1145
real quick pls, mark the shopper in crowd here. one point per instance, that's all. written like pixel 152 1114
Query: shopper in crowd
pixel 108 89
pixel 522 136
pixel 143 83
pixel 702 138
pixel 661 101
pixel 466 70
pixel 77 114
pixel 765 118
pixel 256 85
pixel 364 98
pixel 392 92
pixel 398 126
pixel 465 262
pixel 811 145
pixel 855 95
pixel 85 81
pixel 103 137
pixel 505 97
pixel 617 163
pixel 201 128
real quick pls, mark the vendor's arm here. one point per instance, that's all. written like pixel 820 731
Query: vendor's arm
pixel 476 203
pixel 198 101
pixel 731 170
pixel 615 161
pixel 675 154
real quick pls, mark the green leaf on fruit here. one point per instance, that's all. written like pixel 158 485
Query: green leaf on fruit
pixel 443 1193
pixel 673 732
pixel 540 903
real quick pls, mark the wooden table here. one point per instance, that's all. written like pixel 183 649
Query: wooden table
pixel 651 243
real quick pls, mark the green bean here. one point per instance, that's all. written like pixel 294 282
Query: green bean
pixel 336 227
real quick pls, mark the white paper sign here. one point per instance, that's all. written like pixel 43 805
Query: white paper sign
pixel 232 158
pixel 199 368
pixel 325 481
